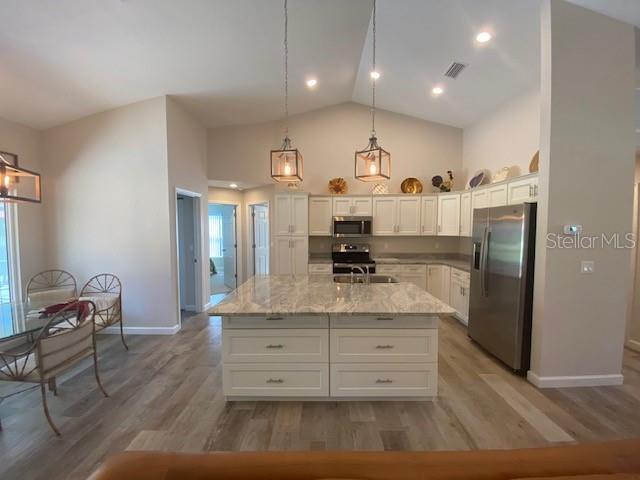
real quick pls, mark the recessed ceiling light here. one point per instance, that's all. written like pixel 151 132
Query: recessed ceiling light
pixel 312 82
pixel 233 185
pixel 437 90
pixel 375 75
pixel 483 37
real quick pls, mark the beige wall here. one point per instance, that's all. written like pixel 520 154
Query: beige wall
pixel 187 157
pixel 328 139
pixel 510 136
pixel 27 144
pixel 587 139
pixel 106 208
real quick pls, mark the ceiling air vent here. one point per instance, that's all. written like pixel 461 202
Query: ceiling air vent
pixel 454 70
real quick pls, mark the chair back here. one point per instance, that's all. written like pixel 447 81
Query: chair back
pixel 50 287
pixel 105 290
pixel 58 348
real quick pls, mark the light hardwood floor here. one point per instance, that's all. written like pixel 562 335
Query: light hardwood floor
pixel 166 395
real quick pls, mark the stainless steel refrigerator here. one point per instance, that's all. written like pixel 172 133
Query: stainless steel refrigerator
pixel 502 268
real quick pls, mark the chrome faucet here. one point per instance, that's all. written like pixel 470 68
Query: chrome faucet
pixel 365 273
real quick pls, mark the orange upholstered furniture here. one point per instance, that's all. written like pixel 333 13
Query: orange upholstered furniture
pixel 609 461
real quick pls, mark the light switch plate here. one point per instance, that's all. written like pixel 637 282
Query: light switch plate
pixel 587 266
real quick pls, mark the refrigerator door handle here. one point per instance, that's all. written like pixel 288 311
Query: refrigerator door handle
pixel 484 255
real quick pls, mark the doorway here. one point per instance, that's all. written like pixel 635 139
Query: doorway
pixel 189 252
pixel 223 249
pixel 259 235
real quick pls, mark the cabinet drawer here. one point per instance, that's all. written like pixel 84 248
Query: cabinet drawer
pixel 387 269
pixel 278 379
pixel 413 269
pixel 384 321
pixel 384 345
pixel 461 275
pixel 275 345
pixel 276 321
pixel 384 380
pixel 321 268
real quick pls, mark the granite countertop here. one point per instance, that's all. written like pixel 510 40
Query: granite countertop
pixel 319 295
pixel 461 262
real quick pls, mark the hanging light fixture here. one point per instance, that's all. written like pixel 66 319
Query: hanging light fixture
pixel 286 163
pixel 17 184
pixel 373 163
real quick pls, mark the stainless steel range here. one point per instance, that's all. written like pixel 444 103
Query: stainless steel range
pixel 352 257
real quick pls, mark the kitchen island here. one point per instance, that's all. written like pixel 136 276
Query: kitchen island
pixel 307 337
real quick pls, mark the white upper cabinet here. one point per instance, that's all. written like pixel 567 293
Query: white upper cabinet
pixel 347 206
pixel 291 214
pixel 498 195
pixel 479 199
pixel 384 215
pixel 320 209
pixel 449 214
pixel 396 215
pixel 465 214
pixel 525 190
pixel 429 214
pixel 408 216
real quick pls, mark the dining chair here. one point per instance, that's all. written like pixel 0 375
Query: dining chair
pixel 49 287
pixel 55 350
pixel 105 291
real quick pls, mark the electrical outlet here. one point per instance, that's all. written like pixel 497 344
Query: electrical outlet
pixel 587 266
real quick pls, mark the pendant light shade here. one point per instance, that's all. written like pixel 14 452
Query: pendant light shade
pixel 18 184
pixel 286 163
pixel 373 164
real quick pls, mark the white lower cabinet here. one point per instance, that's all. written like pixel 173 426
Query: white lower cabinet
pixel 275 379
pixel 342 356
pixel 416 274
pixel 439 282
pixel 384 379
pixel 459 294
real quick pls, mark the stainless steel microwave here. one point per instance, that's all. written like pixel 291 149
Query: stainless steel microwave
pixel 352 226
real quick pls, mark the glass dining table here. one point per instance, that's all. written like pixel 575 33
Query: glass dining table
pixel 21 322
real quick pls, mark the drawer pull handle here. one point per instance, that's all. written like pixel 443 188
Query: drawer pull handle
pixel 384 318
pixel 275 346
pixel 275 318
pixel 384 380
pixel 275 380
pixel 384 347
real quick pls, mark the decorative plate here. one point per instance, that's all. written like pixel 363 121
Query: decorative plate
pixel 502 174
pixel 478 179
pixel 411 185
pixel 380 189
pixel 338 186
pixel 533 166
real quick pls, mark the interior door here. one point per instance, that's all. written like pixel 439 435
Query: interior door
pixel 260 240
pixel 229 243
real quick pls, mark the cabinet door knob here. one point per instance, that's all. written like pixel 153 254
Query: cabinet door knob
pixel 384 380
pixel 275 346
pixel 384 347
pixel 275 380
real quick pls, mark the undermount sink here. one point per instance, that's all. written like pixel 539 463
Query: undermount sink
pixel 362 279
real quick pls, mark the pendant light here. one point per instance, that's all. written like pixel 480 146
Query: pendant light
pixel 17 184
pixel 373 164
pixel 286 163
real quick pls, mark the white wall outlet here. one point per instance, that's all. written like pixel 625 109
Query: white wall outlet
pixel 587 266
pixel 572 229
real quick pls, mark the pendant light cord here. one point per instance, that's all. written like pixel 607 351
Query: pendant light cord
pixel 373 87
pixel 286 69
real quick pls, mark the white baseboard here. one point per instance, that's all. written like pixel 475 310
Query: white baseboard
pixel 574 381
pixel 633 345
pixel 142 330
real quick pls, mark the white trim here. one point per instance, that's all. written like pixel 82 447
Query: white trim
pixel 13 251
pixel 251 263
pixel 142 330
pixel 574 381
pixel 239 237
pixel 633 345
pixel 207 306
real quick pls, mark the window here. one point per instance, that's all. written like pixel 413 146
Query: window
pixel 215 235
pixel 9 278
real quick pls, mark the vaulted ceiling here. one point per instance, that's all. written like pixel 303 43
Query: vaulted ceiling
pixel 223 59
